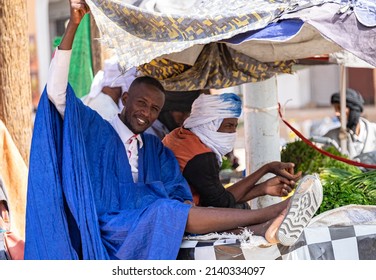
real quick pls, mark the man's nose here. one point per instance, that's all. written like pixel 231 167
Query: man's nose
pixel 146 112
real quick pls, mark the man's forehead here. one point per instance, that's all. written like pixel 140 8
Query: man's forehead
pixel 145 88
pixel 148 92
pixel 229 120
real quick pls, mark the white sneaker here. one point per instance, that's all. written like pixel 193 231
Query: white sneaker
pixel 304 203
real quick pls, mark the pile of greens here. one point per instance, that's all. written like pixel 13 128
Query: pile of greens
pixel 343 184
pixel 342 187
pixel 226 163
pixel 308 160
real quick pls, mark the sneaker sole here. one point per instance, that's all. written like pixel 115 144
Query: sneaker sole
pixel 304 204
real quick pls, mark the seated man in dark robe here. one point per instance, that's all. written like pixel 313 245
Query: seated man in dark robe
pixel 106 190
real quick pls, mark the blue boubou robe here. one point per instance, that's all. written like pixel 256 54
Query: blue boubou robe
pixel 82 202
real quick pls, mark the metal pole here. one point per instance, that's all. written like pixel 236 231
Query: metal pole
pixel 343 118
pixel 261 130
pixel 43 41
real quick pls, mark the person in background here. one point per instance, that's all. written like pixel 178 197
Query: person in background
pixel 361 133
pixel 176 109
pixel 107 88
pixel 207 135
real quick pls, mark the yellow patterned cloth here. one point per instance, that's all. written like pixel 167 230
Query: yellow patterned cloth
pixel 142 33
pixel 217 67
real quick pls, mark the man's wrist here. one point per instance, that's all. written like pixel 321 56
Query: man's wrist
pixel 265 169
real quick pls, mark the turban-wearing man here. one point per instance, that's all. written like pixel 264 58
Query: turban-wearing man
pixel 361 133
pixel 207 135
pixel 107 88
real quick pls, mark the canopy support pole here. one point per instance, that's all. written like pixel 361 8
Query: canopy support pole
pixel 261 130
pixel 43 41
pixel 343 118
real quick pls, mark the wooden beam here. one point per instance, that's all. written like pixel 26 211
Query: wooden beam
pixel 96 47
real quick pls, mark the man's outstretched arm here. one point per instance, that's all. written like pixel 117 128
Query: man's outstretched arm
pixel 59 68
pixel 202 220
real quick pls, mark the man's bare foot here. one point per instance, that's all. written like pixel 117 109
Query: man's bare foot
pixel 289 225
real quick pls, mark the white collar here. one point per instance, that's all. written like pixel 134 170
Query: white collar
pixel 124 132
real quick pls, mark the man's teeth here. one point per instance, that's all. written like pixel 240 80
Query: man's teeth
pixel 141 121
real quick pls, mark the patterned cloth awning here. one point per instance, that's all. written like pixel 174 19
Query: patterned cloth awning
pixel 213 44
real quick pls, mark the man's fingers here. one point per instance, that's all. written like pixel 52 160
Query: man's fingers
pixel 288 166
pixel 284 180
pixel 80 6
pixel 86 8
pixel 294 177
pixel 76 6
pixel 286 190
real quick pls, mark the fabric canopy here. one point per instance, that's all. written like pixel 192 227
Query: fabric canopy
pixel 253 39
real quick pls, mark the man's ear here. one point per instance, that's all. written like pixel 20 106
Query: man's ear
pixel 124 97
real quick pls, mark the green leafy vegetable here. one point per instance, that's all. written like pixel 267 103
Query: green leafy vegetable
pixel 343 184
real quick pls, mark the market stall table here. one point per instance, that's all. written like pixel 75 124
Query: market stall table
pixel 345 233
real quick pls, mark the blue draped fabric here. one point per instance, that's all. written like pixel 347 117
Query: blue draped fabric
pixel 82 202
pixel 276 31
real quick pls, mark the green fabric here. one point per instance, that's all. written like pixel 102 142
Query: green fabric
pixel 56 42
pixel 81 67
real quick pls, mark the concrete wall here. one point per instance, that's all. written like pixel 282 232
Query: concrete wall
pixel 325 81
pixel 294 90
pixel 309 86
